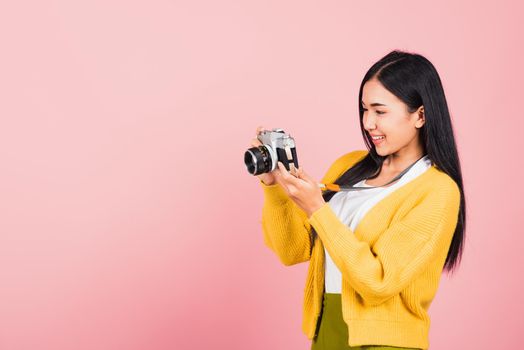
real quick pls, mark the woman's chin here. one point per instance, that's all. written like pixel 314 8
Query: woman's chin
pixel 380 151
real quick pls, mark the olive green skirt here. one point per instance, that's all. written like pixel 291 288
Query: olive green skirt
pixel 332 331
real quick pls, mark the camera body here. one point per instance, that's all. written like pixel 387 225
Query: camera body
pixel 277 146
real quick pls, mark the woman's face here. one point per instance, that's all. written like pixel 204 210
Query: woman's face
pixel 391 119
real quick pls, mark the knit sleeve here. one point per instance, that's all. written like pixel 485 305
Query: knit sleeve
pixel 403 250
pixel 285 226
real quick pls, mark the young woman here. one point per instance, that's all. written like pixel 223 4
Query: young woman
pixel 376 248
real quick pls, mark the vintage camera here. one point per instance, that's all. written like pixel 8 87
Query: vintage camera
pixel 277 146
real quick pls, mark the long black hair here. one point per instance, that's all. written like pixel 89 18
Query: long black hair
pixel 414 80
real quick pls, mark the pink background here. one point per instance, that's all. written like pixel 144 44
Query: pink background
pixel 128 219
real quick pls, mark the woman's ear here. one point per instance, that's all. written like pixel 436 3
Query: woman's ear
pixel 421 117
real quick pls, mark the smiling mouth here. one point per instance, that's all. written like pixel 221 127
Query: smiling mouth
pixel 377 139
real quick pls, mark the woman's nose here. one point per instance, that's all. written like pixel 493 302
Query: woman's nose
pixel 369 124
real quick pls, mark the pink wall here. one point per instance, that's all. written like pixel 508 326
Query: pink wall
pixel 128 220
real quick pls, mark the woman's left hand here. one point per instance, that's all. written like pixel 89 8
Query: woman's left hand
pixel 302 189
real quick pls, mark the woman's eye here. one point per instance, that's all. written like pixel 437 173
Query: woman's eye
pixel 378 112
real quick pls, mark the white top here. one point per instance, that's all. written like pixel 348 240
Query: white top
pixel 351 206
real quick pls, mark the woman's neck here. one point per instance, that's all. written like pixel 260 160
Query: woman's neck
pixel 395 163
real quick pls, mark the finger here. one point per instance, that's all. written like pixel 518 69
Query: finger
pixel 260 129
pixel 282 169
pixel 278 174
pixel 293 171
pixel 302 174
pixel 255 142
pixel 305 176
pixel 286 175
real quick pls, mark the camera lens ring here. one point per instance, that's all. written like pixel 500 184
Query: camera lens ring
pixel 253 167
pixel 261 159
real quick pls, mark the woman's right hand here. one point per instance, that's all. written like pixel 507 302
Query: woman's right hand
pixel 267 178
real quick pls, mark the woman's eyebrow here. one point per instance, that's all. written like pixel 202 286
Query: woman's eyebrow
pixel 375 104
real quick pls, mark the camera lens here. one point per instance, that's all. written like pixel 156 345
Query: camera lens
pixel 258 160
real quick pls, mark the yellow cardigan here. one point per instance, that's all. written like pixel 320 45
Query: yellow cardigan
pixel 391 264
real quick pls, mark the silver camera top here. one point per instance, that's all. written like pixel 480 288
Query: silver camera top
pixel 276 138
